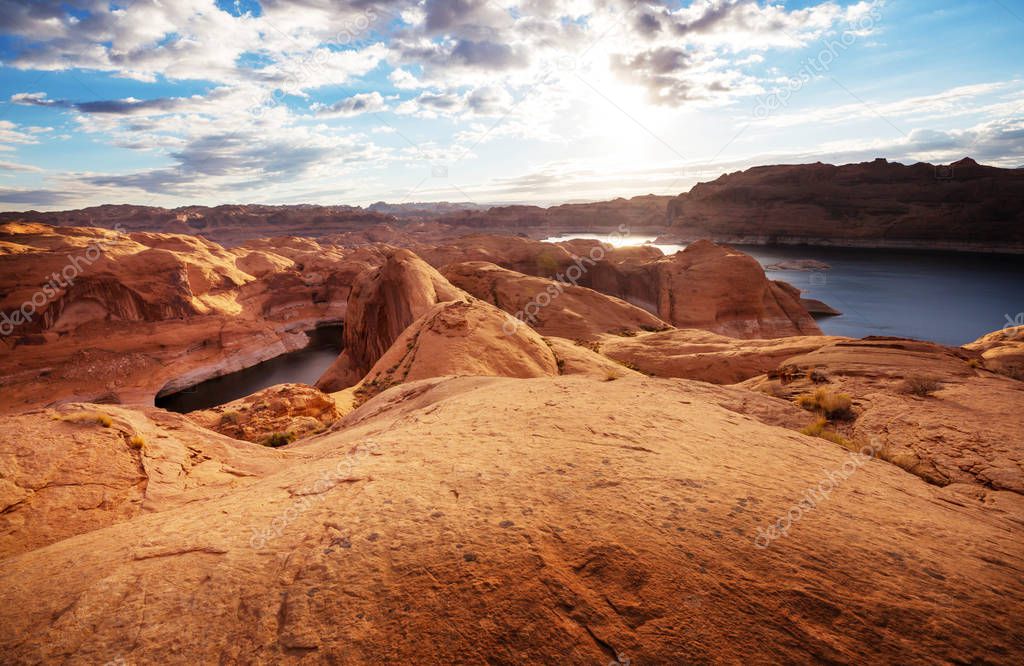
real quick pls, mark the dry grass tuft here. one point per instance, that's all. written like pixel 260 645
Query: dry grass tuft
pixel 829 404
pixel 920 385
pixel 230 418
pixel 820 429
pixel 88 417
pixel 137 441
pixel 278 439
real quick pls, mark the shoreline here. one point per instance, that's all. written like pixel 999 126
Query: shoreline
pixel 766 240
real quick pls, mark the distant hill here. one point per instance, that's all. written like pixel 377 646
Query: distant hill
pixel 960 206
pixel 963 205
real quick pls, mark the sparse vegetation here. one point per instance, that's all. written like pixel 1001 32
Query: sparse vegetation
pixel 628 364
pixel 137 441
pixel 817 376
pixel 975 363
pixel 89 417
pixel 920 385
pixel 611 376
pixel 230 418
pixel 626 333
pixel 820 429
pixel 827 403
pixel 369 389
pixel 592 346
pixel 773 389
pixel 277 439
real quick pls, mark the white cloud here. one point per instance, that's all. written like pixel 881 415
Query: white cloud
pixel 352 106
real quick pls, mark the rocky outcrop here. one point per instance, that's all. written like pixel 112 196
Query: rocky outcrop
pixel 933 410
pixel 551 307
pixel 708 357
pixel 707 286
pixel 84 467
pixel 961 206
pixel 291 411
pixel 464 337
pixel 1002 351
pixel 383 302
pixel 493 519
pixel 522 255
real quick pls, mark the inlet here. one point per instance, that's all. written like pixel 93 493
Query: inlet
pixel 299 367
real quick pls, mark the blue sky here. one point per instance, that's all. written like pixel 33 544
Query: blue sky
pixel 490 101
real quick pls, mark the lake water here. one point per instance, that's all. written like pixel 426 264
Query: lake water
pixel 300 367
pixel 951 298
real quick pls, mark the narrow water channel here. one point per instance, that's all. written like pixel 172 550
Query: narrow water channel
pixel 300 367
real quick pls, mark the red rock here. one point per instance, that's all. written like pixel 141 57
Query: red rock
pixel 871 204
pixel 556 308
pixel 384 301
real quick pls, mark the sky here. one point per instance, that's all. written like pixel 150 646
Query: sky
pixel 185 102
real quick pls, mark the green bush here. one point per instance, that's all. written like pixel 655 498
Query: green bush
pixel 278 439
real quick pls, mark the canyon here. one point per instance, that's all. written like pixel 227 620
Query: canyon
pixel 524 451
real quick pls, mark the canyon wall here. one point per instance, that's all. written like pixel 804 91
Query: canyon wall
pixel 962 206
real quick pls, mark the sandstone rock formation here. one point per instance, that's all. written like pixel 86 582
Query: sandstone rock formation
pixel 494 519
pixel 84 467
pixel 1002 351
pixel 695 354
pixel 551 307
pixel 711 287
pixel 930 409
pixel 121 317
pixel 383 302
pixel 463 337
pixel 959 206
pixel 292 410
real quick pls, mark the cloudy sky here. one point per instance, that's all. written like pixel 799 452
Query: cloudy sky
pixel 175 102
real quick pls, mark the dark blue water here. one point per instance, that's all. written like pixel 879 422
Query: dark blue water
pixel 299 367
pixel 947 297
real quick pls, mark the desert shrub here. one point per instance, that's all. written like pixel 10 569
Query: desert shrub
pixel 626 333
pixel 920 385
pixel 820 429
pixel 230 418
pixel 817 376
pixel 277 439
pixel 592 346
pixel 773 389
pixel 975 363
pixel 829 404
pixel 137 441
pixel 89 417
pixel 611 376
